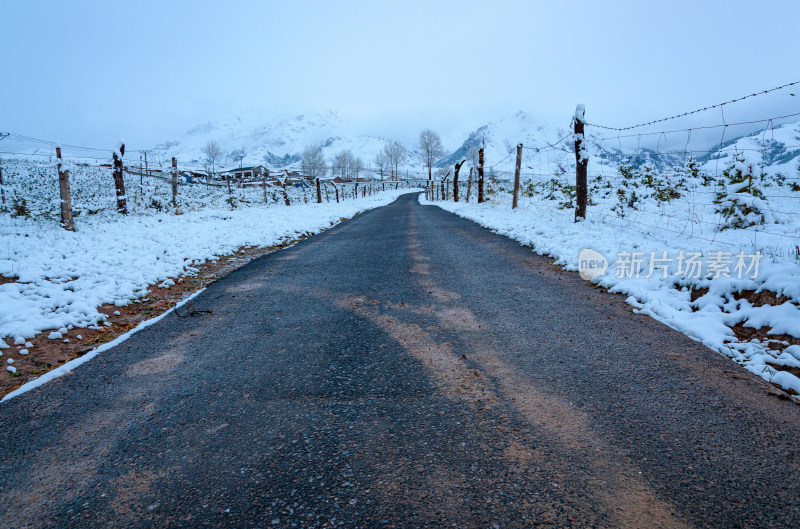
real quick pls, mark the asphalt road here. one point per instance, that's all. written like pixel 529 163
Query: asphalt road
pixel 406 368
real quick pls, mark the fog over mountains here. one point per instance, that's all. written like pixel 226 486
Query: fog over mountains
pixel 280 142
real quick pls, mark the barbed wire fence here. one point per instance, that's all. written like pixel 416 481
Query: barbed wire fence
pixel 635 162
pixel 49 180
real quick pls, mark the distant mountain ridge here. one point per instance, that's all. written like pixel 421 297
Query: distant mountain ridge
pixel 279 144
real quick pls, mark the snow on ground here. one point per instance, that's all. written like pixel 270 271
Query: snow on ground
pixel 687 229
pixel 63 277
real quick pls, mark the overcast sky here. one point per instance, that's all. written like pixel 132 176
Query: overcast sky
pixel 89 72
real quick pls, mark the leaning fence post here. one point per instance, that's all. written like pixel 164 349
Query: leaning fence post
pixel 516 176
pixel 455 179
pixel 66 200
pixel 174 182
pixel 581 163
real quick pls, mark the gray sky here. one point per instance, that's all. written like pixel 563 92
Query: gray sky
pixel 89 72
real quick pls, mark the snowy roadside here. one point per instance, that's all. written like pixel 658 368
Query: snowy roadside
pixel 706 308
pixel 55 280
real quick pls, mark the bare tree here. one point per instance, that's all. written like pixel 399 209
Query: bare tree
pixel 381 162
pixel 313 162
pixel 212 152
pixel 357 166
pixel 346 165
pixel 431 145
pixel 395 155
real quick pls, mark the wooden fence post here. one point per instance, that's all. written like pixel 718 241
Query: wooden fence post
pixel 516 177
pixel 66 199
pixel 319 193
pixel 174 182
pixel 283 187
pixel 469 183
pixel 2 189
pixel 581 164
pixel 480 176
pixel 119 182
pixel 327 198
pixel 455 179
pixel 264 186
pixel 337 192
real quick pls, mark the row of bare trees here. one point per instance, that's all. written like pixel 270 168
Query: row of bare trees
pixel 345 164
pixel 390 159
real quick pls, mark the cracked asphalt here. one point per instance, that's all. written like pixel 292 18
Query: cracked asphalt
pixel 406 368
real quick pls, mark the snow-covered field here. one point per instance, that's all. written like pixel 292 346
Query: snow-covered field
pixel 633 236
pixel 63 277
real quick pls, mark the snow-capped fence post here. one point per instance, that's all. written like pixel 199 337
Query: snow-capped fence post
pixel 480 176
pixel 319 193
pixel 581 164
pixel 516 177
pixel 469 183
pixel 119 182
pixel 174 182
pixel 66 199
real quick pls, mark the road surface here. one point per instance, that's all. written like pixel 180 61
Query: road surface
pixel 406 368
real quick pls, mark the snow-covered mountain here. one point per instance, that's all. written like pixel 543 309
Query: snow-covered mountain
pixel 277 144
pixel 280 142
pixel 547 146
pixel 501 137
